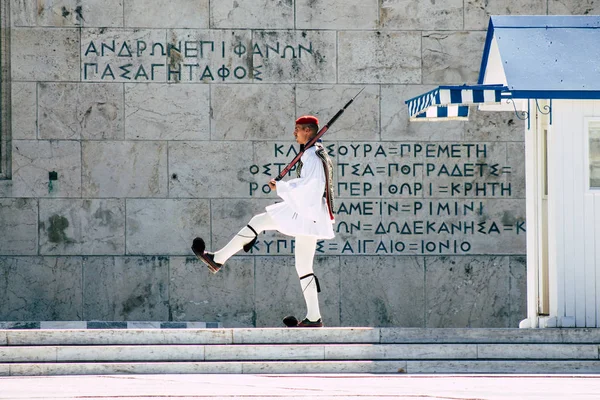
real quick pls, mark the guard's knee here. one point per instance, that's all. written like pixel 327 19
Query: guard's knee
pixel 314 278
pixel 248 246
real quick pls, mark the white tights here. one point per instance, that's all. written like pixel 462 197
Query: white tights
pixel 260 223
pixel 304 255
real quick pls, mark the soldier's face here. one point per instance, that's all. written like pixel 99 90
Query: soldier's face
pixel 302 134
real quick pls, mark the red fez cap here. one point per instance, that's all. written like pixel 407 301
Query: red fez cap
pixel 307 119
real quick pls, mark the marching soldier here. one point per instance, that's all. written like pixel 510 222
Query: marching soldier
pixel 306 213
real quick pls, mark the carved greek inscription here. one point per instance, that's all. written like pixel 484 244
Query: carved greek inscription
pixel 202 60
pixel 411 198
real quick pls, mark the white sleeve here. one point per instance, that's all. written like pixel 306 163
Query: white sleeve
pixel 305 194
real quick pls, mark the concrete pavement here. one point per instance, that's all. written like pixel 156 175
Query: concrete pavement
pixel 363 387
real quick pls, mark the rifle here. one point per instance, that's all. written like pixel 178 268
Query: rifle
pixel 314 139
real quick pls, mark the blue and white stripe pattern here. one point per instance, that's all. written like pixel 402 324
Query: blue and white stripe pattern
pixel 452 102
pixel 109 325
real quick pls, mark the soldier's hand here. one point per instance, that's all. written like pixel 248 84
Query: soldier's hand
pixel 272 184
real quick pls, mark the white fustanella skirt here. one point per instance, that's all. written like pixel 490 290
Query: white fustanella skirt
pixel 292 223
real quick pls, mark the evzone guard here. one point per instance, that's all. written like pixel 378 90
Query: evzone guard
pixel 306 213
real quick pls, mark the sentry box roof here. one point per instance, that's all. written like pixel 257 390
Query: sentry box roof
pixel 525 57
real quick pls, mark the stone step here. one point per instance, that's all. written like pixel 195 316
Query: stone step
pixel 306 352
pixel 23 337
pixel 281 350
pixel 300 367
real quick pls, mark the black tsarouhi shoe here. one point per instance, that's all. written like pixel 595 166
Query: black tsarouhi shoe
pixel 305 323
pixel 198 247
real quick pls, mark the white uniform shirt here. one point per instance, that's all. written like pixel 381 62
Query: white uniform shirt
pixel 304 209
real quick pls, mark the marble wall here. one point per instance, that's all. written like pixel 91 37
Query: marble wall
pixel 137 125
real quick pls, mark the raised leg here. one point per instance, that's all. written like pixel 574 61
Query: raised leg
pixel 246 237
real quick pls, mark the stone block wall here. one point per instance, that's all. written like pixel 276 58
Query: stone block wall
pixel 137 125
